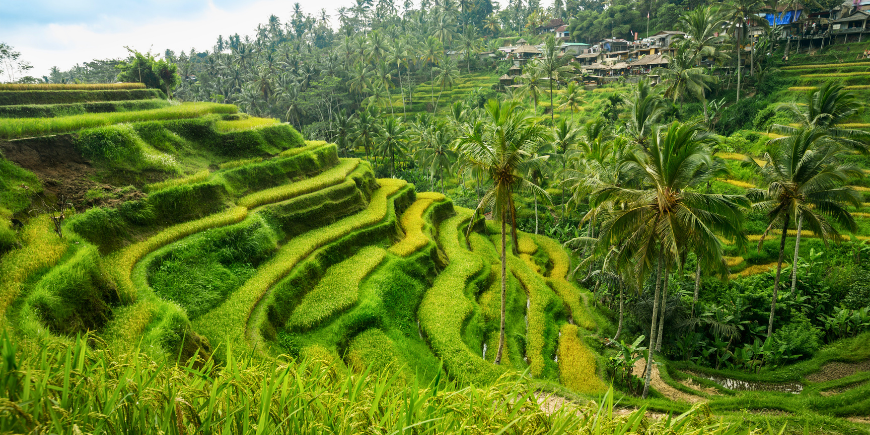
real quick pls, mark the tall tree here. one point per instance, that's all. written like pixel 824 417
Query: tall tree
pixel 500 144
pixel 739 13
pixel 393 137
pixel 804 180
pixel 663 218
pixel 553 66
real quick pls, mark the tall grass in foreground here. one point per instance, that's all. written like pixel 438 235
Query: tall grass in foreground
pixel 69 87
pixel 16 128
pixel 73 388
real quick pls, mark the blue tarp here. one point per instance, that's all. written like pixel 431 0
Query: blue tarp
pixel 787 17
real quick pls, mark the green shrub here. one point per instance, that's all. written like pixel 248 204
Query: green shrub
pixel 8 237
pixel 117 144
pixel 104 227
pixel 188 201
pixel 199 273
pixel 56 110
pixel 798 339
pixel 278 171
pixel 13 196
pixel 75 296
pixel 17 98
pixel 156 135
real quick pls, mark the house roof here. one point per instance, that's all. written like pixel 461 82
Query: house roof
pixel 669 32
pixel 527 49
pixel 562 28
pixel 857 16
pixel 552 24
pixel 617 52
pixel 587 56
pixel 575 44
pixel 505 77
pixel 522 42
pixel 653 59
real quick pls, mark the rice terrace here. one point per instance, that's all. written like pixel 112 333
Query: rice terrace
pixel 442 216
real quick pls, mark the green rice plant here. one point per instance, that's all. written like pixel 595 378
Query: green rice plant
pixel 445 307
pixel 244 124
pixel 190 179
pixel 309 145
pixel 239 163
pixel 834 75
pixel 120 264
pixel 15 128
pixel 64 387
pixel 184 202
pixel 55 110
pixel 41 248
pixel 69 86
pixel 336 291
pixel 229 322
pixel 577 364
pixel 17 98
pixel 413 222
pixel 332 176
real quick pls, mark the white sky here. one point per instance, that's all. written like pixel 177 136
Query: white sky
pixel 63 32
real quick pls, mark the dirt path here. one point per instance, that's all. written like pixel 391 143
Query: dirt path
pixel 660 385
pixel 551 404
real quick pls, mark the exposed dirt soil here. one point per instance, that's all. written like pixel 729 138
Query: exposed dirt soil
pixel 62 171
pixel 660 385
pixel 551 404
pixel 838 370
pixel 691 384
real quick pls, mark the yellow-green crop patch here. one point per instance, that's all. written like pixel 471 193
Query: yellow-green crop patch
pixel 332 176
pixel 244 124
pixel 69 86
pixel 577 364
pixel 337 290
pixel 413 222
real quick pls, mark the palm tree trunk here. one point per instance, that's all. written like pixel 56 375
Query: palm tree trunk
pixel 697 287
pixel 797 247
pixel 776 281
pixel 552 112
pixel 536 214
pixel 401 92
pixel 392 164
pixel 738 69
pixel 663 309
pixel 564 191
pixel 503 292
pixel 652 329
pixel 621 306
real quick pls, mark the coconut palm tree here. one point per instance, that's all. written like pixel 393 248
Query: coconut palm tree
pixel 645 108
pixel 703 27
pixel 573 99
pixel 436 154
pixel 446 76
pixel 804 180
pixel 684 79
pixel 501 145
pixel 738 13
pixel 532 82
pixel 663 219
pixel 366 129
pixel 552 66
pixel 393 137
pixel 829 108
pixel 565 138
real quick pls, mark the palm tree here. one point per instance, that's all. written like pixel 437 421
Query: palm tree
pixel 500 144
pixel 343 128
pixel 645 108
pixel 446 77
pixel 685 79
pixel 469 44
pixel 703 27
pixel 828 108
pixel 392 138
pixel 663 219
pixel 552 65
pixel 532 82
pixel 366 129
pixel 804 178
pixel 437 154
pixel 565 137
pixel 739 12
pixel 573 99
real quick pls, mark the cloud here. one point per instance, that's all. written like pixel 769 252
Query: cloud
pixel 101 29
